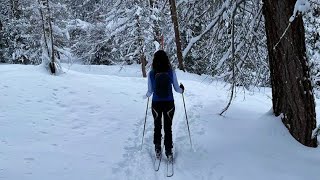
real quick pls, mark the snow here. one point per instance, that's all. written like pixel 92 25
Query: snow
pixel 139 11
pixel 87 124
pixel 82 24
pixel 156 45
pixel 301 6
pixel 153 17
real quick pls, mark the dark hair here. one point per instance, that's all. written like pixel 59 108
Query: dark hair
pixel 161 62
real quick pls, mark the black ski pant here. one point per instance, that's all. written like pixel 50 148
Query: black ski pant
pixel 165 109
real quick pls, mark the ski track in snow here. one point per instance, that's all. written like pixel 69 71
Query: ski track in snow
pixel 186 159
pixel 143 159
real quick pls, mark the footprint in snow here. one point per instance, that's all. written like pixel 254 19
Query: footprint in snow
pixel 61 105
pixel 29 159
pixel 124 93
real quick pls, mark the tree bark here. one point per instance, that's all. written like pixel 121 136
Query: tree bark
pixel 292 94
pixel 1 43
pixel 174 18
pixel 142 57
pixel 48 34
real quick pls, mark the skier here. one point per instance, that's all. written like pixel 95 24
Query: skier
pixel 160 81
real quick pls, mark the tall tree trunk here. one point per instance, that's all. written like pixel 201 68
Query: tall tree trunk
pixel 1 43
pixel 174 18
pixel 47 34
pixel 292 94
pixel 142 57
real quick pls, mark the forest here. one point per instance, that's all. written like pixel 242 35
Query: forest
pixel 128 31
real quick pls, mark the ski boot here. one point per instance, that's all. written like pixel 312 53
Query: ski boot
pixel 158 151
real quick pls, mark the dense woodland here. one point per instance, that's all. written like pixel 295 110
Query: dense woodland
pixel 225 39
pixel 114 31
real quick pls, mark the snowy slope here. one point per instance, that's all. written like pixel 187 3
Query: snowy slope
pixel 87 125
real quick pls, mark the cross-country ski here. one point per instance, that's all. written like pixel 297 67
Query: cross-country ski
pixel 157 161
pixel 170 166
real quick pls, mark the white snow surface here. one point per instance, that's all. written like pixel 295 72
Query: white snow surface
pixel 87 124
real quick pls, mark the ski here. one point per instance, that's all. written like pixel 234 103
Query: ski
pixel 170 166
pixel 157 162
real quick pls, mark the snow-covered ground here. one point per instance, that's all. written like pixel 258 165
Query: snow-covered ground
pixel 87 124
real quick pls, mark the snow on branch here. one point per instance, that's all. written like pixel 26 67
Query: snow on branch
pixel 138 11
pixel 217 16
pixel 316 132
pixel 301 6
pixel 315 2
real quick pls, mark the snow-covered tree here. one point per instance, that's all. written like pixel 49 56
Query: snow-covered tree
pixel 92 38
pixel 312 28
pixel 19 32
pixel 124 31
pixel 206 38
pixel 2 40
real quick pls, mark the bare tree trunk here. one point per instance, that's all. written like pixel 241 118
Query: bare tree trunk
pixel 142 57
pixel 47 34
pixel 174 18
pixel 143 65
pixel 1 43
pixel 233 64
pixel 292 94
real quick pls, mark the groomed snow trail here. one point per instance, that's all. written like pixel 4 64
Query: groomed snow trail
pixel 138 163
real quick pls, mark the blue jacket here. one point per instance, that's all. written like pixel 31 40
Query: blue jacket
pixel 151 86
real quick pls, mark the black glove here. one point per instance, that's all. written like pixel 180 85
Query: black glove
pixel 182 87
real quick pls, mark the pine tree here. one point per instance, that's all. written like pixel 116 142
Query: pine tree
pixel 292 93
pixel 19 33
pixel 174 17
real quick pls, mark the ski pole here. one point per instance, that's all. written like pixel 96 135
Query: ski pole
pixel 184 104
pixel 145 120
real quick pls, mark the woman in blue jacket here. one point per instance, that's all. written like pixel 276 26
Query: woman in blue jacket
pixel 160 81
